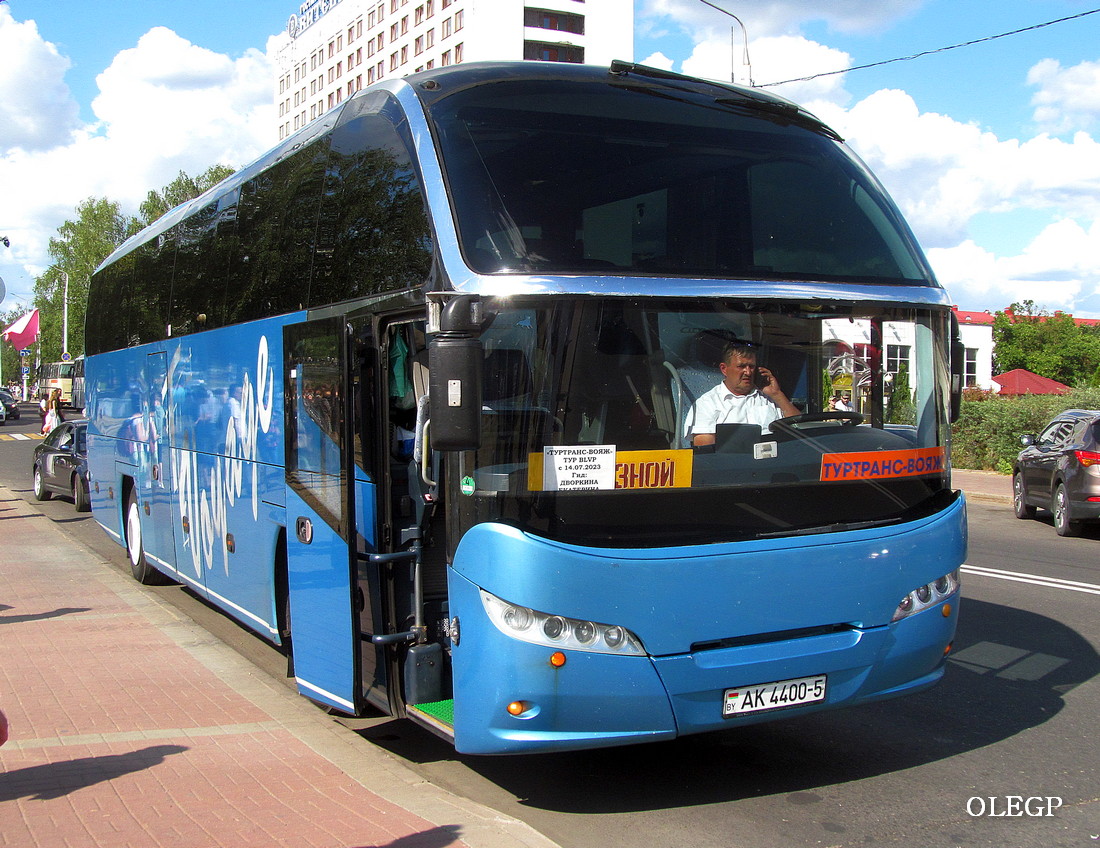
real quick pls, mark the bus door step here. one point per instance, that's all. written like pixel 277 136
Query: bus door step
pixel 437 716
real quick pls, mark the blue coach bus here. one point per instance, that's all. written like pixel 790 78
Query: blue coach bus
pixel 410 395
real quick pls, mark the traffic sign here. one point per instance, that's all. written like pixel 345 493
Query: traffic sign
pixel 66 356
pixel 26 370
pixel 25 352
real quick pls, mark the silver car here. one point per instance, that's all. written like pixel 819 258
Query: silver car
pixel 1059 470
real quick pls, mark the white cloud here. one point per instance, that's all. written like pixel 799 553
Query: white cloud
pixel 657 60
pixel 37 110
pixel 773 17
pixel 164 105
pixel 1058 270
pixel 1067 98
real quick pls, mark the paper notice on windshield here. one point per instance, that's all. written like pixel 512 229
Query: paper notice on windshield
pixel 578 468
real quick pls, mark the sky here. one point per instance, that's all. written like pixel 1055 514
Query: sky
pixel 990 150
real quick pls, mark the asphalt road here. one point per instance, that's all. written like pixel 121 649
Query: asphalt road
pixel 1015 719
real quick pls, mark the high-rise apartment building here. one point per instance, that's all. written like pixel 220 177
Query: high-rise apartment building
pixel 332 48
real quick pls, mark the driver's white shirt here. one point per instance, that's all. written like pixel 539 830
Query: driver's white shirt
pixel 721 406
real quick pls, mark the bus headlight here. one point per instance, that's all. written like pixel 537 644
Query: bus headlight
pixel 927 596
pixel 558 631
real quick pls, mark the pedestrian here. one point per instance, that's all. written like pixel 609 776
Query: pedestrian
pixel 53 415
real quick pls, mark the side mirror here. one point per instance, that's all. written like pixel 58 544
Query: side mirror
pixel 958 363
pixel 455 364
pixel 1027 440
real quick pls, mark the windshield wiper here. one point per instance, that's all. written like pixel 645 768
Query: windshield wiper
pixel 836 527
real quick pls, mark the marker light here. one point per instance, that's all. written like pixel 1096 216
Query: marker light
pixel 557 631
pixel 927 596
pixel 557 659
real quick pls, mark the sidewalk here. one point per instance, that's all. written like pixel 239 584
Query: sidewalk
pixel 983 485
pixel 132 726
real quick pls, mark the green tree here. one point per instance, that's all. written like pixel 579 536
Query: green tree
pixel 83 243
pixel 77 249
pixel 1051 345
pixel 180 190
pixel 899 406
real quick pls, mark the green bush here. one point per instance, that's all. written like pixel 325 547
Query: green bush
pixel 987 434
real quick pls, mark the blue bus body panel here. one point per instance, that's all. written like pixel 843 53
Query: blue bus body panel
pixel 199 433
pixel 677 601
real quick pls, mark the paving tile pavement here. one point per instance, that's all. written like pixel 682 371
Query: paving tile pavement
pixel 132 726
pixel 983 485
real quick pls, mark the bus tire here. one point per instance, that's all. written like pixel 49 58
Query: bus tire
pixel 140 568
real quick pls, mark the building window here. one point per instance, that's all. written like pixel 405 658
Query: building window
pixel 970 368
pixel 459 17
pixel 418 45
pixel 560 21
pixel 447 28
pixel 540 52
pixel 458 53
pixel 446 58
pixel 896 357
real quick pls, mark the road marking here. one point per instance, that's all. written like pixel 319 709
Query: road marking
pixel 1034 579
pixel 20 437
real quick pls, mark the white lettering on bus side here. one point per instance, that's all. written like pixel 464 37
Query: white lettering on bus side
pixel 206 493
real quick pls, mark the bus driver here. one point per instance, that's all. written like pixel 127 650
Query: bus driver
pixel 748 394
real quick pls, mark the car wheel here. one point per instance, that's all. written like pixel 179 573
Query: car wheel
pixel 1019 504
pixel 1060 507
pixel 41 493
pixel 80 495
pixel 140 568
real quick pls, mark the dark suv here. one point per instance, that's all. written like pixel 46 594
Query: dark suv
pixel 1059 470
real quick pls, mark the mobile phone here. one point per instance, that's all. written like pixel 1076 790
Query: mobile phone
pixel 759 379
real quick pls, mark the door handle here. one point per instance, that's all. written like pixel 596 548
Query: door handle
pixel 303 529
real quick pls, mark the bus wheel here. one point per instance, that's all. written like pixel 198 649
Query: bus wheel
pixel 80 495
pixel 139 566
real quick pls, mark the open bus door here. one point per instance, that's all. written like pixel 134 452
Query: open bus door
pixel 322 580
pixel 351 637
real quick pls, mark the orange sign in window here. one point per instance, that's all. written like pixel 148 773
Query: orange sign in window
pixel 880 465
pixel 579 469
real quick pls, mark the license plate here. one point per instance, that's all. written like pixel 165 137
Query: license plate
pixel 773 696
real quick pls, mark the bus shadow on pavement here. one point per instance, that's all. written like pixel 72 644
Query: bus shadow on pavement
pixel 1009 672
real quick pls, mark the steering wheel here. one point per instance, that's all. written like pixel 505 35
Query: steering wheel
pixel 792 423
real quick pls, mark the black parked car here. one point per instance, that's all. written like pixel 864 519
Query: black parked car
pixel 61 464
pixel 1059 470
pixel 10 404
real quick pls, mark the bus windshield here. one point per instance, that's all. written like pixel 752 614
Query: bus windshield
pixel 588 411
pixel 615 177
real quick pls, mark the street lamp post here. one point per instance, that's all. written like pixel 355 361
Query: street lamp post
pixel 733 43
pixel 65 314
